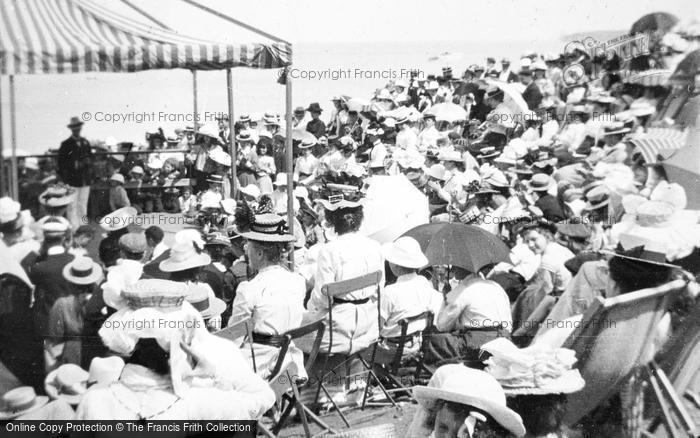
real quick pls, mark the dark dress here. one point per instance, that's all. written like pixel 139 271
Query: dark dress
pixel 74 158
pixel 47 276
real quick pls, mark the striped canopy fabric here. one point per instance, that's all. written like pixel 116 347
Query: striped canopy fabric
pixel 658 142
pixel 75 36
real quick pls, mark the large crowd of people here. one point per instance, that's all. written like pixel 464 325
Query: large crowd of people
pixel 114 321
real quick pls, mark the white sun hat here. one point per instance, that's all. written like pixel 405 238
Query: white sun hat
pixel 405 251
pixel 458 384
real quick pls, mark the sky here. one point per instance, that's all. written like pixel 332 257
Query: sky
pixel 304 21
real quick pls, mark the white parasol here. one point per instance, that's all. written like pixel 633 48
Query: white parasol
pixel 513 97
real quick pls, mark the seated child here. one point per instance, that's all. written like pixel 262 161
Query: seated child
pixel 188 202
pixel 117 193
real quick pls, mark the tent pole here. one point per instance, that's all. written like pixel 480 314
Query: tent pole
pixel 232 134
pixel 194 98
pixel 290 163
pixel 13 132
pixel 3 182
pixel 234 21
pixel 145 14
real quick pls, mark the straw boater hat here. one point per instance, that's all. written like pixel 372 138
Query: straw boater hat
pixel 54 227
pixel 202 298
pixel 56 196
pixel 268 227
pixel 105 370
pixel 82 270
pixel 244 137
pixel 164 294
pixel 458 384
pixel 406 252
pixel 597 197
pixel 184 256
pixel 244 118
pixel 218 238
pixel 307 143
pixel 540 182
pixel 67 382
pixel 20 401
pixel 119 219
pixel 215 178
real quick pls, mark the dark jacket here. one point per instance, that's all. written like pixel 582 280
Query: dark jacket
pixel 552 210
pixel 532 96
pixel 74 157
pixel 47 276
pixel 317 128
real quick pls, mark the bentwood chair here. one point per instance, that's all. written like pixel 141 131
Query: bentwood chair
pixel 337 290
pixel 242 328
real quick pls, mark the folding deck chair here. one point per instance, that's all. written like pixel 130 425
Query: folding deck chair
pixel 613 344
pixel 339 289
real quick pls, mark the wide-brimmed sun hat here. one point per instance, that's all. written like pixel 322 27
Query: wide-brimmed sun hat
pixel 20 401
pixel 82 270
pixel 218 155
pixel 535 370
pixel 10 214
pixel 184 256
pixel 458 384
pixel 405 251
pixel 268 227
pixel 437 171
pixel 251 190
pixel 210 131
pixel 67 382
pixel 202 298
pixel 56 196
pixel 119 219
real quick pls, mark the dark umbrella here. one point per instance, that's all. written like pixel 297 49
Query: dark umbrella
pixel 456 244
pixel 656 21
pixel 686 70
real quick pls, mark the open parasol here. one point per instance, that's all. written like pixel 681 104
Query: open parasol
pixel 513 97
pixel 303 134
pixel 448 112
pixel 457 244
pixel 656 21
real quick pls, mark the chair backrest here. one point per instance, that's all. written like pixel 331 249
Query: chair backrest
pixel 241 328
pixel 297 333
pixel 406 336
pixel 339 288
pixel 681 358
pixel 613 338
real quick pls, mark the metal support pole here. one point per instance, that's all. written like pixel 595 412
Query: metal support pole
pixel 194 97
pixel 232 135
pixel 290 163
pixel 3 181
pixel 13 132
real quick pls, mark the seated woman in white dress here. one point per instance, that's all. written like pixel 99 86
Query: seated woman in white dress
pixel 274 298
pixel 347 256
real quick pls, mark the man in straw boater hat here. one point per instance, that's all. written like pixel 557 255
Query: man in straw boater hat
pixel 274 298
pixel 463 402
pixel 54 202
pixel 74 160
pixel 47 272
pixel 551 206
pixel 175 368
pixel 411 295
pixel 62 342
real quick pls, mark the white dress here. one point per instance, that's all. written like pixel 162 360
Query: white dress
pixel 355 326
pixel 274 299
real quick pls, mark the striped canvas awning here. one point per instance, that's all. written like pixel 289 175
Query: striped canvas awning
pixel 658 141
pixel 75 36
